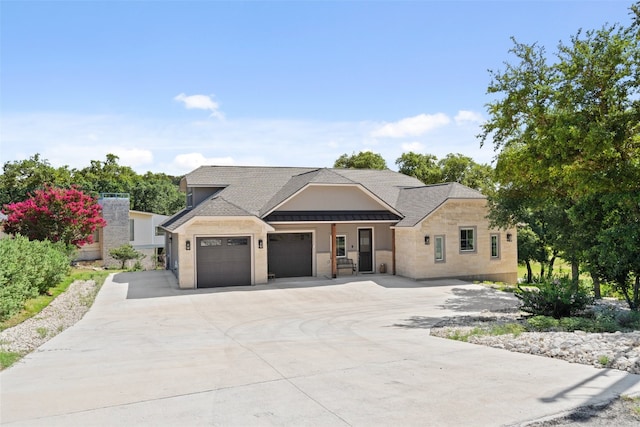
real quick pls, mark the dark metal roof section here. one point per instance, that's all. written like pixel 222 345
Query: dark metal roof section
pixel 331 216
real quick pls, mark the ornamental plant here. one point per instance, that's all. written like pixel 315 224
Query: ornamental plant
pixel 55 214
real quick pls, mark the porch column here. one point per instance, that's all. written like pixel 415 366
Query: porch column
pixel 334 263
pixel 393 251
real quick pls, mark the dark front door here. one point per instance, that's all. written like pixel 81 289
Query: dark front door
pixel 365 250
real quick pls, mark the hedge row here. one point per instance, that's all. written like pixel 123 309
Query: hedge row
pixel 27 269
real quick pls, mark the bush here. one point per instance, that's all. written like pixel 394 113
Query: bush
pixel 557 298
pixel 28 268
pixel 125 253
pixel 543 323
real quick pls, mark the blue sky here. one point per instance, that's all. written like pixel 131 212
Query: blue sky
pixel 168 85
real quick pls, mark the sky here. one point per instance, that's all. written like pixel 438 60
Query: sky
pixel 168 86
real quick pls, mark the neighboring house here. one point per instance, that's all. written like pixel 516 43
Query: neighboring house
pixel 140 229
pixel 3 217
pixel 245 225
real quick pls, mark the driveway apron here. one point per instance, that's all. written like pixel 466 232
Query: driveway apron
pixel 351 351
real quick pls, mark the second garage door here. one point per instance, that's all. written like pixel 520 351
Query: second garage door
pixel 223 261
pixel 290 254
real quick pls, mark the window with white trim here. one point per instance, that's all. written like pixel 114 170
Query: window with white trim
pixel 438 248
pixel 467 239
pixel 495 246
pixel 341 246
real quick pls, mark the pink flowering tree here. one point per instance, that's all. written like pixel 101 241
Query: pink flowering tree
pixel 55 214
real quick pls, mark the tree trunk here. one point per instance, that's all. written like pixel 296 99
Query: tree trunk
pixel 551 262
pixel 529 272
pixel 541 270
pixel 636 294
pixel 575 274
pixel 596 286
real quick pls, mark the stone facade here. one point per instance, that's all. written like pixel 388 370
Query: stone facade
pixel 416 259
pixel 115 211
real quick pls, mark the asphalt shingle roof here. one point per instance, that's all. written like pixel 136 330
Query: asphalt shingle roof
pixel 256 191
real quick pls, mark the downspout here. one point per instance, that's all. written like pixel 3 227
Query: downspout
pixel 334 262
pixel 393 251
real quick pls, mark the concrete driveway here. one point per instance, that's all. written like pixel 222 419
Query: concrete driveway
pixel 352 351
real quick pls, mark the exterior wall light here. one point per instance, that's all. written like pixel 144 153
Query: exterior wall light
pixel 188 245
pixel 509 237
pixel 427 239
pixel 260 244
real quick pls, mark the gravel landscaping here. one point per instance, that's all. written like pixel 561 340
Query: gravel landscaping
pixel 64 311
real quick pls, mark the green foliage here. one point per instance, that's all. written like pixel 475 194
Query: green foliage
pixel 558 298
pixel 125 253
pixel 453 168
pixel 23 177
pixel 28 268
pixel 36 305
pixel 8 358
pixel 152 192
pixel 421 166
pixel 568 133
pixel 500 329
pixel 542 323
pixel 362 160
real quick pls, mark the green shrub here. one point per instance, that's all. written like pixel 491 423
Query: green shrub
pixel 125 253
pixel 629 320
pixel 28 268
pixel 557 298
pixel 571 324
pixel 542 323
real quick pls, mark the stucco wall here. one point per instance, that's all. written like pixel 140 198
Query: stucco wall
pixel 416 260
pixel 216 226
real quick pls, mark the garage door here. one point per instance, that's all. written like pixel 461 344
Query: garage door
pixel 290 254
pixel 223 261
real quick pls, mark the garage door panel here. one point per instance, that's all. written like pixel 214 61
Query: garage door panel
pixel 223 261
pixel 290 254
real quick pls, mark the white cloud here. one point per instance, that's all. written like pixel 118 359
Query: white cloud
pixel 133 157
pixel 190 161
pixel 416 147
pixel 200 102
pixel 178 145
pixel 465 116
pixel 411 126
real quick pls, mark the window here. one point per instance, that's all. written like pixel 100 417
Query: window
pixel 132 234
pixel 190 198
pixel 341 246
pixel 468 239
pixel 438 245
pixel 240 241
pixel 210 242
pixel 495 246
pixel 159 231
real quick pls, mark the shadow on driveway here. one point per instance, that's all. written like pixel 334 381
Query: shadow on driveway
pixel 484 299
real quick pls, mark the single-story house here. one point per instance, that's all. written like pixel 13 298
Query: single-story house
pixel 246 225
pixel 139 229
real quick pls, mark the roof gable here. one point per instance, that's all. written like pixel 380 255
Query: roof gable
pixel 258 191
pixel 418 203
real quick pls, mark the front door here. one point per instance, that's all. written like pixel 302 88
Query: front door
pixel 365 250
